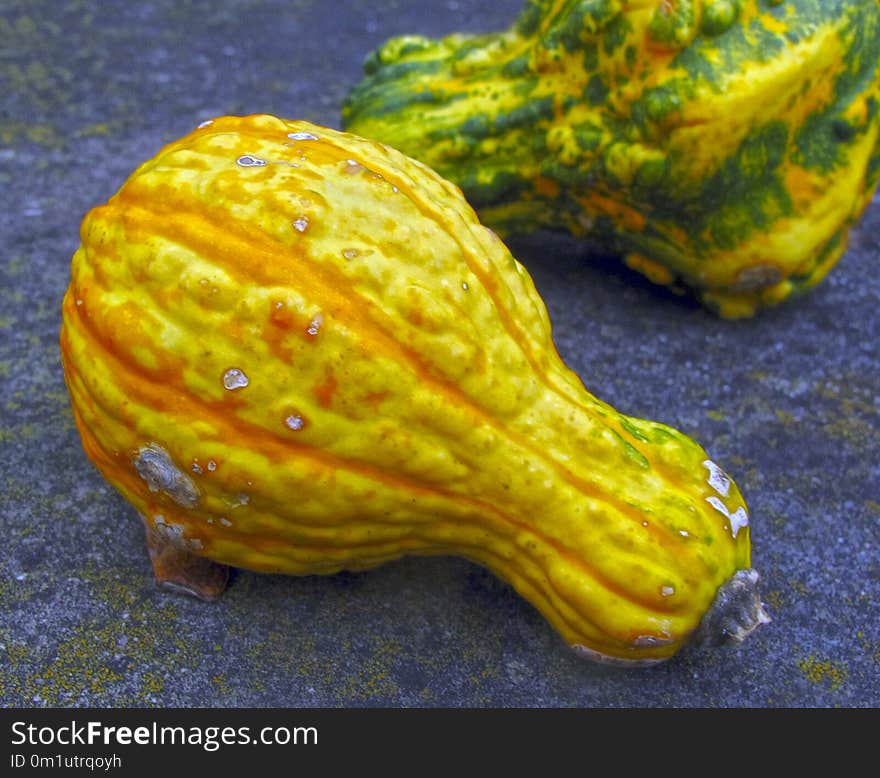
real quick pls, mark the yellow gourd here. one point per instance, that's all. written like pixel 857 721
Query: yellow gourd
pixel 297 351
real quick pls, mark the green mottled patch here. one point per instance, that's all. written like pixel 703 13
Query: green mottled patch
pixel 414 46
pixel 734 222
pixel 633 430
pixel 764 150
pixel 662 434
pixel 673 24
pixel 567 34
pixel 659 103
pixel 872 175
pixel 747 193
pixel 407 69
pixel 569 176
pixel 591 57
pixel 526 115
pixel 501 186
pixel 466 45
pixel 632 452
pixel 517 67
pixel 395 102
pixel 392 51
pixel 712 60
pixel 596 14
pixel 596 90
pixel 652 174
pixel 530 18
pixel 588 136
pixel 477 126
pixel 615 35
pixel 526 86
pixel 822 139
pixel 818 145
pixel 766 43
pixel 718 16
pixel 584 20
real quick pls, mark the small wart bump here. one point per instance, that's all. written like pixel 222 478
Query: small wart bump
pixel 738 519
pixel 212 465
pixel 301 224
pixel 154 465
pixel 352 166
pixel 464 285
pixel 350 253
pixel 235 379
pixel 301 136
pixel 757 277
pixel 247 160
pixel 718 479
pixel 173 533
pixel 238 500
pixel 295 422
pixel 667 591
pixel 651 641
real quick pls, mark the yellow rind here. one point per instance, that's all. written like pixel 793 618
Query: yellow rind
pixel 436 416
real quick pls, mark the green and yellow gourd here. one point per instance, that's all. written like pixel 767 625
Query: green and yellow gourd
pixel 726 145
pixel 297 351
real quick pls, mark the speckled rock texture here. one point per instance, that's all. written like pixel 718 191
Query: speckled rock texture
pixel 788 402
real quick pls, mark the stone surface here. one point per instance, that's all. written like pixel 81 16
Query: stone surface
pixel 788 402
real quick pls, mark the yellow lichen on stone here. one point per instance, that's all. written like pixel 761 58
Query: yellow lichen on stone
pixel 819 671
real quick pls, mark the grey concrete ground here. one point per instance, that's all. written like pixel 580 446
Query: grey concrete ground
pixel 788 401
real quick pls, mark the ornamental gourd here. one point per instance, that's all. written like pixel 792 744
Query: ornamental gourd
pixel 727 145
pixel 297 351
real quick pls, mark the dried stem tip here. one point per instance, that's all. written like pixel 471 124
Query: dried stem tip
pixel 735 613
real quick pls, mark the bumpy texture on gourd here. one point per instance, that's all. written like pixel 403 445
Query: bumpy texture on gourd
pixel 728 145
pixel 298 351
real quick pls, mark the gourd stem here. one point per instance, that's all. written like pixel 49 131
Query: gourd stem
pixel 735 613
